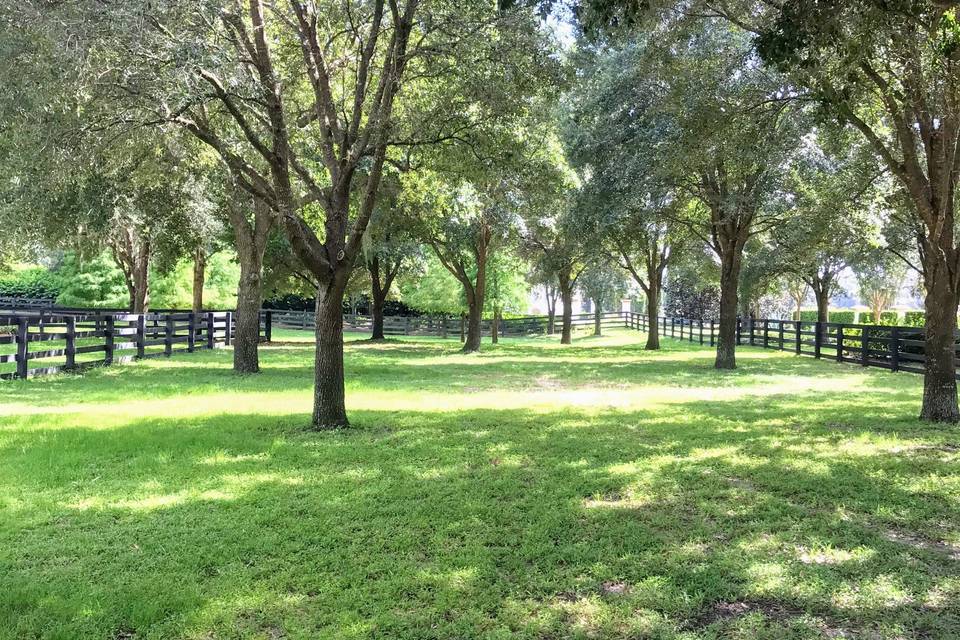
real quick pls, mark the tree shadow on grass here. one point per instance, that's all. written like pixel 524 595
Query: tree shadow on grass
pixel 706 518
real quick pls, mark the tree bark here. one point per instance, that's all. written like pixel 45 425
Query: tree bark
pixel 939 380
pixel 376 313
pixel 596 317
pixel 495 328
pixel 329 407
pixel 463 327
pixel 653 306
pixel 474 319
pixel 566 323
pixel 199 277
pixel 551 297
pixel 727 334
pixel 250 241
pixel 246 342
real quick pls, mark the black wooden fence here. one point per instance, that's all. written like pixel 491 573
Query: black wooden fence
pixel 889 347
pixel 43 342
pixel 441 326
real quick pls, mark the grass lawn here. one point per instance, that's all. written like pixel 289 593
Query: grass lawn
pixel 531 491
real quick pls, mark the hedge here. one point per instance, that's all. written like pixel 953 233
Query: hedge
pixel 35 282
pixel 842 317
pixel 914 319
pixel 887 318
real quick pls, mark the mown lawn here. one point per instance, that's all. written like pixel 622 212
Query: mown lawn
pixel 532 491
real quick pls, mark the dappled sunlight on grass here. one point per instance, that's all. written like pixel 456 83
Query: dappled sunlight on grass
pixel 533 490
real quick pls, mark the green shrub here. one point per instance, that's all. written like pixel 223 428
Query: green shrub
pixel 842 317
pixel 914 319
pixel 808 316
pixel 887 318
pixel 33 282
pixel 91 282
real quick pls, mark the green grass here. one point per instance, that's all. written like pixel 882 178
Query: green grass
pixel 531 491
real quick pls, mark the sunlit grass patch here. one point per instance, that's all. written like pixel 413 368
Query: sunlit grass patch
pixel 532 490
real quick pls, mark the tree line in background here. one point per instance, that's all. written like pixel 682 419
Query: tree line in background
pixel 461 153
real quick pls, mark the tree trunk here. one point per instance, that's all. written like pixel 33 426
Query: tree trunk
pixel 653 305
pixel 463 327
pixel 727 334
pixel 329 409
pixel 551 321
pixel 250 242
pixel 495 328
pixel 246 343
pixel 939 380
pixel 475 298
pixel 822 294
pixel 566 326
pixel 474 318
pixel 596 317
pixel 199 276
pixel 376 312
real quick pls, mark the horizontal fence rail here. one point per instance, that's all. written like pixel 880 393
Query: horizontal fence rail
pixel 895 348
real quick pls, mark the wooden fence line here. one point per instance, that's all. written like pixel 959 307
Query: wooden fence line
pixel 113 338
pixel 896 348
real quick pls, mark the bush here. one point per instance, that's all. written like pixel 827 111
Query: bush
pixel 808 316
pixel 914 319
pixel 33 282
pixel 842 317
pixel 94 282
pixel 887 318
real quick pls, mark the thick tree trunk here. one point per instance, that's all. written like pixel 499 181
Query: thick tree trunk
pixel 596 317
pixel 822 295
pixel 246 342
pixel 566 324
pixel 939 380
pixel 475 298
pixel 463 327
pixel 653 306
pixel 495 328
pixel 474 319
pixel 376 313
pixel 250 241
pixel 329 409
pixel 199 276
pixel 727 334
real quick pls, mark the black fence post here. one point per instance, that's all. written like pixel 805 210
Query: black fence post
pixel 108 340
pixel 840 343
pixel 229 332
pixel 168 336
pixel 751 323
pixel 865 347
pixel 711 331
pixel 766 333
pixel 268 326
pixel 895 349
pixel 798 330
pixel 71 350
pixel 23 337
pixel 211 334
pixel 817 338
pixel 780 325
pixel 192 338
pixel 701 332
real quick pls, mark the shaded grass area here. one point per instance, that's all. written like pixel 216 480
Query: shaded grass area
pixel 532 491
